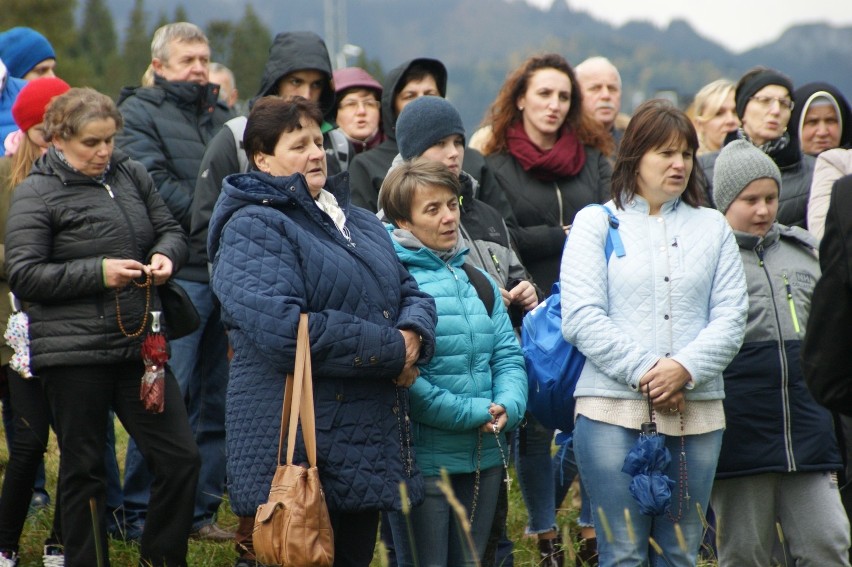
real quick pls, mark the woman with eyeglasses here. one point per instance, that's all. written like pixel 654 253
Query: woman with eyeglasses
pixel 357 107
pixel 764 101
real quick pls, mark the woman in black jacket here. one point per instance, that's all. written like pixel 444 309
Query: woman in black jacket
pixel 550 161
pixel 88 238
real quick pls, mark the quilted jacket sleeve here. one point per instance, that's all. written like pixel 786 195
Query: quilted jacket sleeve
pixel 441 408
pixel 710 352
pixel 438 407
pixel 417 313
pixel 29 238
pixel 140 140
pixel 508 372
pixel 256 278
pixel 585 323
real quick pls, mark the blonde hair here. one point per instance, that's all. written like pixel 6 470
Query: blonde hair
pixel 22 161
pixel 707 103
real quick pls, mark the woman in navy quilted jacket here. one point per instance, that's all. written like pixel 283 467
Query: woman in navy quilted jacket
pixel 284 240
pixel 474 388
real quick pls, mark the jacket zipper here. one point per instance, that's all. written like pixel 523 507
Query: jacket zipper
pixel 472 246
pixel 559 200
pixel 496 262
pixel 782 356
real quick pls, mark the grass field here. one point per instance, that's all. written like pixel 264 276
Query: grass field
pixel 204 554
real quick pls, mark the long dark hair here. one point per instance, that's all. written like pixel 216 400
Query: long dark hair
pixel 655 124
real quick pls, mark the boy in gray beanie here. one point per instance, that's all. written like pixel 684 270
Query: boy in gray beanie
pixel 738 164
pixel 778 448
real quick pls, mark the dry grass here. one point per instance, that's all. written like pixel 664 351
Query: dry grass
pixel 205 554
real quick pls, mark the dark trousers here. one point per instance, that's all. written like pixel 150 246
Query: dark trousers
pixel 31 422
pixel 80 398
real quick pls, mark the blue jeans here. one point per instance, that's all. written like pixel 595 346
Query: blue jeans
pixel 600 449
pixel 564 471
pixel 199 361
pixel 535 475
pixel 438 538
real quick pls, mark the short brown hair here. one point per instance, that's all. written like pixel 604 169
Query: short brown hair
pixel 402 182
pixel 272 116
pixel 67 114
pixel 654 124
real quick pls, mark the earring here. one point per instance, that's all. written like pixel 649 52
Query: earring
pixel 520 109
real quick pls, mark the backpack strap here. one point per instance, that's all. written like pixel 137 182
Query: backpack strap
pixel 237 126
pixel 340 148
pixel 613 238
pixel 482 285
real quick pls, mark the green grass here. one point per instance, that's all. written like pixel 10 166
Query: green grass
pixel 206 554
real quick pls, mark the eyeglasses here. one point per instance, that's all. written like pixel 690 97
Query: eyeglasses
pixel 766 101
pixel 369 104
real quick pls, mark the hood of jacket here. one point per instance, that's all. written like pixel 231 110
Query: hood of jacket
pixel 776 232
pixel 392 87
pixel 257 188
pixel 294 51
pixel 805 95
pixel 185 94
pixel 422 257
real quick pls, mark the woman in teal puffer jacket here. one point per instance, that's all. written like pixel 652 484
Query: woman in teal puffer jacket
pixel 474 388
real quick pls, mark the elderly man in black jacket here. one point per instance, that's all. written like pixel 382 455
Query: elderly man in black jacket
pixel 167 127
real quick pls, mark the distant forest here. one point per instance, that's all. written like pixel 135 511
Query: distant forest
pixel 108 47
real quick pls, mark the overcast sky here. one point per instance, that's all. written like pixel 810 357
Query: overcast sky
pixel 736 24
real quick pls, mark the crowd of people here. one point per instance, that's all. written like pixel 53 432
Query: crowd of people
pixel 416 251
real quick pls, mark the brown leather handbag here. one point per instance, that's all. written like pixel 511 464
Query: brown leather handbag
pixel 293 529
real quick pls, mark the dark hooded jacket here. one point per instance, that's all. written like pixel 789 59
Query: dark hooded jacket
pixel 357 296
pixel 802 99
pixel 290 51
pixel 368 169
pixel 61 226
pixel 166 128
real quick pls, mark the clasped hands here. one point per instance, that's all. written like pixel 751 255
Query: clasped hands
pixel 412 353
pixel 664 385
pixel 119 273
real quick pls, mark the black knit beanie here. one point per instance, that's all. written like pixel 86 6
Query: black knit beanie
pixel 425 121
pixel 746 90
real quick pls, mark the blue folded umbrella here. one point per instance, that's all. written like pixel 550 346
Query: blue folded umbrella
pixel 650 486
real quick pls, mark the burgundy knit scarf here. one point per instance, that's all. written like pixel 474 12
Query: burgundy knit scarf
pixel 565 159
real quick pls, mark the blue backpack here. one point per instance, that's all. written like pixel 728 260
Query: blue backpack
pixel 553 364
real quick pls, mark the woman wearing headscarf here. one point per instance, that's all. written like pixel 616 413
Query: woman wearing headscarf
pixel 821 118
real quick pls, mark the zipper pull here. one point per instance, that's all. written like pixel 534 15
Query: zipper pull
pixel 759 251
pixel 109 190
pixel 791 303
pixel 452 271
pixel 495 260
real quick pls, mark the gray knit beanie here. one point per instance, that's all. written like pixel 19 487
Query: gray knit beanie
pixel 423 122
pixel 739 163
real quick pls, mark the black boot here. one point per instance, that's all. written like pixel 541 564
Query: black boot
pixel 587 555
pixel 550 552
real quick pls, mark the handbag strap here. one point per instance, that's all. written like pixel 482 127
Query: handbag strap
pixel 299 400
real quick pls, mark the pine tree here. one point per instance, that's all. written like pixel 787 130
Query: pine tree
pixel 180 14
pixel 136 51
pixel 53 18
pixel 220 35
pixel 249 50
pixel 97 48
